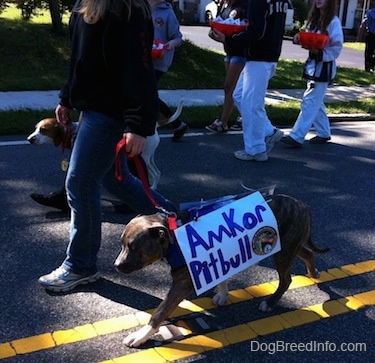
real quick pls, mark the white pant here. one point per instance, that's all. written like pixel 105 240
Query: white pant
pixel 313 111
pixel 249 96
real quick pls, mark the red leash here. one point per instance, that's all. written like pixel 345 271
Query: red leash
pixel 120 147
pixel 140 171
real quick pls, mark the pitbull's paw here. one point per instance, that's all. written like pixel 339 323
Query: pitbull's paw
pixel 263 306
pixel 221 295
pixel 315 274
pixel 220 299
pixel 140 336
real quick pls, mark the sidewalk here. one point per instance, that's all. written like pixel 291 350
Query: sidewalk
pixel 49 99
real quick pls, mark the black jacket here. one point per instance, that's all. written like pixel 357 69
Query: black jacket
pixel 111 70
pixel 264 34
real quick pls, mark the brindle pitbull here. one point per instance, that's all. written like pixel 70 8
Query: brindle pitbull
pixel 146 239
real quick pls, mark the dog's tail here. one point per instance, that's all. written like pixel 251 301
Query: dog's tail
pixel 174 117
pixel 310 244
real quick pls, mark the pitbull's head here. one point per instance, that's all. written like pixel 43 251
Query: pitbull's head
pixel 144 241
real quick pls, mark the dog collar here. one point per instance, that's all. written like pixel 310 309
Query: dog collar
pixel 174 256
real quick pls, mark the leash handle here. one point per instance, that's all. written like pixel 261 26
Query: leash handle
pixel 67 139
pixel 140 171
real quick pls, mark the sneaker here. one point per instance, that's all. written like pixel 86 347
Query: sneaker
pixel 179 132
pixel 272 139
pixel 55 200
pixel 217 126
pixel 61 280
pixel 319 140
pixel 243 155
pixel 237 126
pixel 290 141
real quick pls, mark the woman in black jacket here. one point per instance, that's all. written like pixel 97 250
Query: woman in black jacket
pixel 111 81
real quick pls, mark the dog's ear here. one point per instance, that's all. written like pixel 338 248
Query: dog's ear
pixel 162 235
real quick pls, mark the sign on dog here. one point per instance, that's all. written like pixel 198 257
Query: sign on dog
pixel 226 241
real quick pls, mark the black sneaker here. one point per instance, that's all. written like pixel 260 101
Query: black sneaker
pixel 55 200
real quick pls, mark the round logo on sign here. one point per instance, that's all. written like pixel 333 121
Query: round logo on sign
pixel 264 240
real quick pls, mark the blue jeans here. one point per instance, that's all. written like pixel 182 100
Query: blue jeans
pixel 91 166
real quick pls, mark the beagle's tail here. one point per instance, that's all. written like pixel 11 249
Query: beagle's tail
pixel 174 117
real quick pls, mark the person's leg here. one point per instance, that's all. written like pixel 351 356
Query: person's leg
pixel 233 68
pixel 92 157
pixel 164 109
pixel 371 52
pixel 312 101
pixel 233 71
pixel 256 125
pixel 368 53
pixel 237 92
pixel 321 122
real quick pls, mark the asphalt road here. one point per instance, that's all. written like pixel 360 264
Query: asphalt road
pixel 88 324
pixel 199 35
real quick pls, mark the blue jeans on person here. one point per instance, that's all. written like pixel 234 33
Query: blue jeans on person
pixel 91 166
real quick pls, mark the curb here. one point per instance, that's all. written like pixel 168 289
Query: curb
pixel 351 117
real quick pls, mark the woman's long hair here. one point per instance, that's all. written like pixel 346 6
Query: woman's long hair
pixel 317 21
pixel 93 10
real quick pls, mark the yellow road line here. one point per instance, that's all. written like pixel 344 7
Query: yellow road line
pixel 114 325
pixel 218 339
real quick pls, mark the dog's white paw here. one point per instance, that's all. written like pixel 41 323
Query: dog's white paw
pixel 140 336
pixel 316 273
pixel 221 295
pixel 220 299
pixel 263 306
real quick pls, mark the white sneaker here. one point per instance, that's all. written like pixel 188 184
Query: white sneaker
pixel 61 280
pixel 243 155
pixel 272 139
pixel 217 126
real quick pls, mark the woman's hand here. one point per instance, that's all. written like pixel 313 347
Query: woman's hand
pixel 134 144
pixel 216 35
pixel 63 115
pixel 312 50
pixel 172 44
